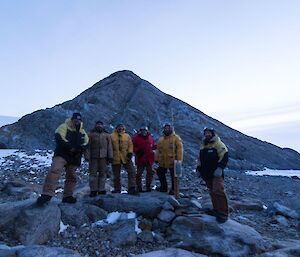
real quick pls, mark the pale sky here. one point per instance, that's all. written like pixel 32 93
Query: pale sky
pixel 237 61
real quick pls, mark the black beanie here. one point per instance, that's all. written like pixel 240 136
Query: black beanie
pixel 76 116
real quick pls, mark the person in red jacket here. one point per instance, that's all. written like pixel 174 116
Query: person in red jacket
pixel 143 146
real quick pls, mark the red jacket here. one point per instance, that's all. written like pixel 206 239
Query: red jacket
pixel 143 148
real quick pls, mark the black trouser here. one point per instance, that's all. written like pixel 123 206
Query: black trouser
pixel 161 173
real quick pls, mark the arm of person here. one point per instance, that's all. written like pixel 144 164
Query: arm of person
pixel 60 137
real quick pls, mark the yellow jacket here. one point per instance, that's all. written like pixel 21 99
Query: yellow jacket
pixel 122 145
pixel 169 148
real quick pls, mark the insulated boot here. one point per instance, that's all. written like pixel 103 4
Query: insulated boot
pixel 69 199
pixel 133 191
pixel 93 193
pixel 42 200
pixel 221 218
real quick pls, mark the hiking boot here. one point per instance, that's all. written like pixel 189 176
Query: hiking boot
pixel 220 218
pixel 133 191
pixel 116 191
pixel 103 192
pixel 160 189
pixel 43 199
pixel 211 212
pixel 69 199
pixel 93 193
pixel 140 190
pixel 171 192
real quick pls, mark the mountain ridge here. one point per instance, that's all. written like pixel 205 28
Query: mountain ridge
pixel 125 97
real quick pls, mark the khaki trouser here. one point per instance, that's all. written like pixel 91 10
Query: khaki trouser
pixel 97 178
pixel 51 181
pixel 117 175
pixel 149 176
pixel 218 195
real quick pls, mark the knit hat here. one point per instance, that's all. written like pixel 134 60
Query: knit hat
pixel 76 116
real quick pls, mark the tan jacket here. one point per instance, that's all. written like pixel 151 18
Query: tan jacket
pixel 100 145
pixel 169 148
pixel 122 145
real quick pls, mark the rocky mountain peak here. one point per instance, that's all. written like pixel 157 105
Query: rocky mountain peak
pixel 125 97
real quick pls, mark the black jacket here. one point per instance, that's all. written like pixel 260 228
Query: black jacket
pixel 211 156
pixel 70 143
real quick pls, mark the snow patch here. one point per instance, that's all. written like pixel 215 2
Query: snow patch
pixel 62 227
pixel 114 217
pixel 270 172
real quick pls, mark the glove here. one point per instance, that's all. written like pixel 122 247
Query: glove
pixel 129 156
pixel 218 172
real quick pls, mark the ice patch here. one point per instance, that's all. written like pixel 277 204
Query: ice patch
pixel 270 172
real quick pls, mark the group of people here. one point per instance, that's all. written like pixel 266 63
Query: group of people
pixel 118 149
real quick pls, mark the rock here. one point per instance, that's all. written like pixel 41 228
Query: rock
pixel 146 205
pixel 33 251
pixel 173 202
pixel 17 189
pixel 166 216
pixel 123 233
pixel 10 211
pixel 7 253
pixel 247 205
pixel 78 214
pixel 158 238
pixel 285 211
pixel 293 251
pixel 159 225
pixel 170 252
pixel 145 225
pixel 37 225
pixel 204 235
pixel 168 207
pixel 146 236
pixel 197 204
pixel 280 220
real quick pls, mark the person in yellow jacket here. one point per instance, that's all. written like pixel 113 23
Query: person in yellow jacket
pixel 71 141
pixel 169 148
pixel 213 158
pixel 122 155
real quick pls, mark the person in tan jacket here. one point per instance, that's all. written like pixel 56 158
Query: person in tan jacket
pixel 122 155
pixel 99 154
pixel 169 148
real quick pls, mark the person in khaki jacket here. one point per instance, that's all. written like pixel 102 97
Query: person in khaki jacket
pixel 99 154
pixel 169 148
pixel 71 142
pixel 122 154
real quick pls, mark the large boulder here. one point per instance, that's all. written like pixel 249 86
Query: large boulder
pixel 123 233
pixel 204 235
pixel 36 251
pixel 37 225
pixel 21 221
pixel 170 252
pixel 10 211
pixel 147 205
pixel 78 214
